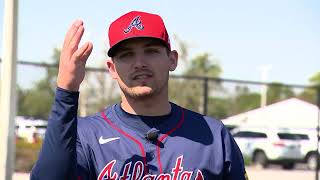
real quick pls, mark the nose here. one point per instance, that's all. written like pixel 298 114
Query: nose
pixel 139 61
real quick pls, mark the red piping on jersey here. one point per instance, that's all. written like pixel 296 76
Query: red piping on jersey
pixel 144 158
pixel 166 135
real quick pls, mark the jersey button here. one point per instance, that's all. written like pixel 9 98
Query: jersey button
pixel 152 155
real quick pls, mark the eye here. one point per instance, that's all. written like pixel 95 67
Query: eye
pixel 125 54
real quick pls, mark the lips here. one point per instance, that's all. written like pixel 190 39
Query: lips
pixel 141 76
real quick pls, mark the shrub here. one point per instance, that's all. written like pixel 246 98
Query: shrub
pixel 26 154
pixel 247 160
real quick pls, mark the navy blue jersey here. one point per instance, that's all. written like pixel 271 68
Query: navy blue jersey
pixel 113 144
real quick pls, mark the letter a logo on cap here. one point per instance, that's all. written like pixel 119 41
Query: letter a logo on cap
pixel 136 22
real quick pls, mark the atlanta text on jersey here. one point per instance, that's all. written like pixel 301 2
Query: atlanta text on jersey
pixel 177 172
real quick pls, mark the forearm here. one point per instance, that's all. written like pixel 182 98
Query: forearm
pixel 58 159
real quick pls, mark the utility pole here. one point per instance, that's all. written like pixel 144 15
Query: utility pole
pixel 318 135
pixel 8 89
pixel 263 92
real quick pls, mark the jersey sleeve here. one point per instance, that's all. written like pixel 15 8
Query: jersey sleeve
pixel 234 168
pixel 58 156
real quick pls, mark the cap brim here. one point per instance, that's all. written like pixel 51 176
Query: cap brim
pixel 113 49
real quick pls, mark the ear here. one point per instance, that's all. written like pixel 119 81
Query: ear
pixel 112 68
pixel 173 58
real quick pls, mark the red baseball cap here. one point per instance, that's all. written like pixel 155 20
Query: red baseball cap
pixel 137 24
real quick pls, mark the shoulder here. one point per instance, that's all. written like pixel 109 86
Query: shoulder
pixel 204 129
pixel 94 122
pixel 194 117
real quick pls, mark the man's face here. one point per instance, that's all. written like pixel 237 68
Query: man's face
pixel 141 66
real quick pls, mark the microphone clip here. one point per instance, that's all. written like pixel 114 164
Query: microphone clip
pixel 152 134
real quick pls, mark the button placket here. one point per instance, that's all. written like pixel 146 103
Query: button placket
pixel 150 148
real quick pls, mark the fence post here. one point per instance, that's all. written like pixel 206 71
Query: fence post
pixel 205 96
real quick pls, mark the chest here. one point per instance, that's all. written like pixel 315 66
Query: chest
pixel 169 157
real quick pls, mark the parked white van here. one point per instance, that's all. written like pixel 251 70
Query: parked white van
pixel 269 145
pixel 308 141
pixel 29 128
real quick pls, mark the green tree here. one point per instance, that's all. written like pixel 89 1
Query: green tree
pixel 52 73
pixel 189 93
pixel 310 94
pixel 277 92
pixel 36 101
pixel 204 65
pixel 186 93
pixel 315 79
pixel 219 107
pixel 244 100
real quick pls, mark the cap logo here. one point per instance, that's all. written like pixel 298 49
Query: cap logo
pixel 136 22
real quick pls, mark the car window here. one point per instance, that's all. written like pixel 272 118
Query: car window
pixel 41 127
pixel 289 136
pixel 250 134
pixel 303 136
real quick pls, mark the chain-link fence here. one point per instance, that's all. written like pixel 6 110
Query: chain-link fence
pixel 216 97
pixel 229 96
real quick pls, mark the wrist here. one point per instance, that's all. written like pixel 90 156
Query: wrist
pixel 70 88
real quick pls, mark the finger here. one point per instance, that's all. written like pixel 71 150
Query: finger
pixel 83 53
pixel 87 52
pixel 71 31
pixel 74 43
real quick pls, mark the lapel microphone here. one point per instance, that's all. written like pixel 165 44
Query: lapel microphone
pixel 152 134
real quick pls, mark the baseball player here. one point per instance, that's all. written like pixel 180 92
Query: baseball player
pixel 145 136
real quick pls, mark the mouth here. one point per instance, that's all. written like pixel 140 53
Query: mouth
pixel 142 76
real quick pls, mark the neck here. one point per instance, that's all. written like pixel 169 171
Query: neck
pixel 153 106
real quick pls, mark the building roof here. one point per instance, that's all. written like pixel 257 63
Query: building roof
pixel 290 113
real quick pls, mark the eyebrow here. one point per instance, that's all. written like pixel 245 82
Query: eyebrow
pixel 121 48
pixel 149 44
pixel 153 42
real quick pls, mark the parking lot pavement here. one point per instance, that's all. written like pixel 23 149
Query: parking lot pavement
pixel 276 173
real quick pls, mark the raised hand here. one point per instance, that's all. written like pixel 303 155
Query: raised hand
pixel 73 58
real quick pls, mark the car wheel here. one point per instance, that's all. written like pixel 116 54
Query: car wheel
pixel 312 161
pixel 289 165
pixel 260 160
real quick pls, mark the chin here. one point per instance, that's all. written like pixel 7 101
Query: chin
pixel 140 92
pixel 143 91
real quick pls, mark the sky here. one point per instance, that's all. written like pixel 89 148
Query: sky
pixel 283 35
